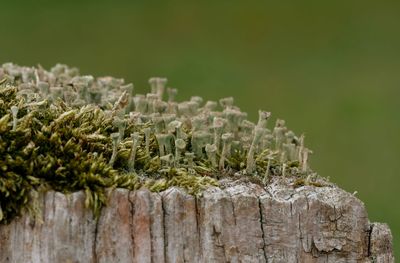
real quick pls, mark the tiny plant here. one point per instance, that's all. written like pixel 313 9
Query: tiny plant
pixel 65 132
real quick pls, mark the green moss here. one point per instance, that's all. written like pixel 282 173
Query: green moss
pixel 64 132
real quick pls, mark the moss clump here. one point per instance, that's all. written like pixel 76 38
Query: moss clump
pixel 64 132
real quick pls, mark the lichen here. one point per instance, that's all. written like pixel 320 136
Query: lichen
pixel 65 132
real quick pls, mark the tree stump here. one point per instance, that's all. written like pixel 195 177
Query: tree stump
pixel 239 222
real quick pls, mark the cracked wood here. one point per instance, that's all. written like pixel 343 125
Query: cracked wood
pixel 239 222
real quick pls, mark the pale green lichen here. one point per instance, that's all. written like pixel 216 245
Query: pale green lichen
pixel 66 132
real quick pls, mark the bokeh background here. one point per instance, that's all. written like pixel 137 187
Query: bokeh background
pixel 331 69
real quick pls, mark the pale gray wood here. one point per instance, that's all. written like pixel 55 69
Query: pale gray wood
pixel 239 222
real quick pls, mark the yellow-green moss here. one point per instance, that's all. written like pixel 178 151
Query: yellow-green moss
pixel 66 132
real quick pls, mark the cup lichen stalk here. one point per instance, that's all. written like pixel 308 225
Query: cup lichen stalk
pixel 14 111
pixel 180 146
pixel 226 149
pixel 115 141
pixel 259 131
pixel 211 150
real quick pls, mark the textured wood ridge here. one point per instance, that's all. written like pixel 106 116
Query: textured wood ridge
pixel 241 223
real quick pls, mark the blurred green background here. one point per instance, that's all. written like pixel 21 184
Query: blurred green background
pixel 331 69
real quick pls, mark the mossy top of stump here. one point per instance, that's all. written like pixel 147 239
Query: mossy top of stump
pixel 66 132
pixel 68 141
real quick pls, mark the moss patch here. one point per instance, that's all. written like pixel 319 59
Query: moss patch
pixel 66 132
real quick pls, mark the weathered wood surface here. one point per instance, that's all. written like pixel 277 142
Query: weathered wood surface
pixel 241 223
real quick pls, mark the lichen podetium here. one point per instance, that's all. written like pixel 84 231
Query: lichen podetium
pixel 65 132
